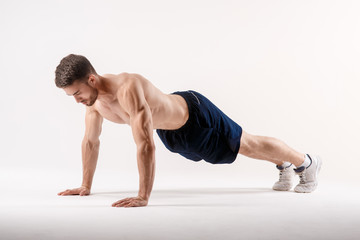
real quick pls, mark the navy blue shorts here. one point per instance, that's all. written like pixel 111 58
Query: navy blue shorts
pixel 208 133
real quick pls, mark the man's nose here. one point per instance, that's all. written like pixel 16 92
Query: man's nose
pixel 77 99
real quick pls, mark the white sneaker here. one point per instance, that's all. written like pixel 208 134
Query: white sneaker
pixel 308 176
pixel 285 178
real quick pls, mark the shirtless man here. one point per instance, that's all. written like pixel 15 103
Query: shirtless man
pixel 186 122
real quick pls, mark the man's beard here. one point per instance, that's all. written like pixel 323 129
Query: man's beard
pixel 93 98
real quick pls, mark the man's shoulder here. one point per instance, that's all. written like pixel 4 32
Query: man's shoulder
pixel 131 83
pixel 125 76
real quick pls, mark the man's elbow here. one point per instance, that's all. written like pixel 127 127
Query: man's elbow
pixel 146 147
pixel 91 144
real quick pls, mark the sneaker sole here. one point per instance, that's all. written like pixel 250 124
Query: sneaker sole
pixel 282 189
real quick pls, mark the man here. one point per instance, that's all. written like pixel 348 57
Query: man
pixel 186 122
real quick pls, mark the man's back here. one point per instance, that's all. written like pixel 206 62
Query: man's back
pixel 168 111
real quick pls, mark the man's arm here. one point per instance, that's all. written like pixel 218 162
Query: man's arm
pixel 90 151
pixel 134 103
pixel 90 145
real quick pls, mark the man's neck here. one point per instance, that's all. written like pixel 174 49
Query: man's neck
pixel 105 90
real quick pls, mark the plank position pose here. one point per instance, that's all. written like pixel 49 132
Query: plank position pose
pixel 186 121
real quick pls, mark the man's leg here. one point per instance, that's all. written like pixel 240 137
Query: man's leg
pixel 270 149
pixel 276 151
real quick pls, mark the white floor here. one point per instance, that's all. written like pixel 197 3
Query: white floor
pixel 249 211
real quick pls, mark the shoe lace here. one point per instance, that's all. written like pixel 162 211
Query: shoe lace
pixel 281 175
pixel 302 177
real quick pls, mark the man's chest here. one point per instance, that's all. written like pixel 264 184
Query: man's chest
pixel 113 112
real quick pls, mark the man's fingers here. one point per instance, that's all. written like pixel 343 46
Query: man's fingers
pixel 62 193
pixel 75 191
pixel 69 192
pixel 121 201
pixel 121 204
pixel 128 202
pixel 132 204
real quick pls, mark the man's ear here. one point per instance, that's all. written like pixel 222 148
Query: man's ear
pixel 92 80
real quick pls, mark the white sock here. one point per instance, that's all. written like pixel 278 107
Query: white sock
pixel 286 164
pixel 306 163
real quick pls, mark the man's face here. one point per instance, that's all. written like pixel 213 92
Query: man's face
pixel 82 92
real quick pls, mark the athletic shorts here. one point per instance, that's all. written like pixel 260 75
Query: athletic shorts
pixel 208 134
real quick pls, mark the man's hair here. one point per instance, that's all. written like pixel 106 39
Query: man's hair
pixel 72 67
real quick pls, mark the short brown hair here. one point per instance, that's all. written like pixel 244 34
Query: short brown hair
pixel 72 67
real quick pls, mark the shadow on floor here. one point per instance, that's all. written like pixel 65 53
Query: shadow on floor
pixel 195 191
pixel 196 197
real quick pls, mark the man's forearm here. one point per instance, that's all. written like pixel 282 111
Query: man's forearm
pixel 146 165
pixel 90 152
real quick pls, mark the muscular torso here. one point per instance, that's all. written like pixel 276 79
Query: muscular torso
pixel 169 111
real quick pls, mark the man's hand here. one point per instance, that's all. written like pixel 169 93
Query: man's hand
pixel 82 191
pixel 131 202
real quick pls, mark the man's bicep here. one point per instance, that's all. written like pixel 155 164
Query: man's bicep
pixel 93 125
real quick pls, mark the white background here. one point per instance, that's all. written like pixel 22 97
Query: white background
pixel 286 69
